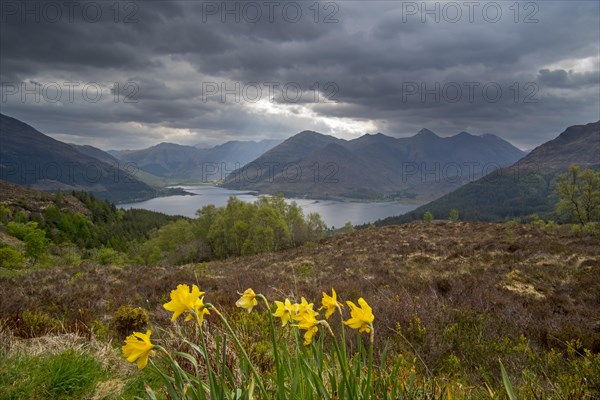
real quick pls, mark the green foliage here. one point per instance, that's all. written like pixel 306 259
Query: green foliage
pixel 109 256
pixel 4 213
pixel 453 216
pixel 19 229
pixel 348 227
pixel 579 193
pixel 35 244
pixel 34 238
pixel 428 216
pixel 36 323
pixel 239 228
pixel 128 319
pixel 68 375
pixel 11 258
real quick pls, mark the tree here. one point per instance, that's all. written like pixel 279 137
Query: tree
pixel 453 215
pixel 428 216
pixel 316 226
pixel 35 243
pixel 348 227
pixel 579 195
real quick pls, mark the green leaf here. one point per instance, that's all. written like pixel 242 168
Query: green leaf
pixel 506 381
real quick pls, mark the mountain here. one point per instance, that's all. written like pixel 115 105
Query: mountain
pixel 168 160
pixel 31 158
pixel 131 168
pixel 373 167
pixel 524 188
pixel 96 153
pixel 188 163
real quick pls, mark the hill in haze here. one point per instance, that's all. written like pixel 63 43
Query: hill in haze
pixel 192 164
pixel 374 167
pixel 524 188
pixel 29 157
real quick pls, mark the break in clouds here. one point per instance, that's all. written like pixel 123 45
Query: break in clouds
pixel 131 74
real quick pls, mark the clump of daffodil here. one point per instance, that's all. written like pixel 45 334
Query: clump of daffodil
pixel 330 303
pixel 138 347
pixel 361 317
pixel 306 317
pixel 248 300
pixel 184 300
pixel 284 311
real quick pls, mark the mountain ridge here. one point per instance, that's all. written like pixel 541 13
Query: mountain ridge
pixel 522 188
pixel 390 168
pixel 29 157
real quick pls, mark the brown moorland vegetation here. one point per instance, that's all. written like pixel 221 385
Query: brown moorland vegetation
pixel 453 296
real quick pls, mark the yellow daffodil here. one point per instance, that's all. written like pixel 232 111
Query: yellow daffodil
pixel 184 300
pixel 248 300
pixel 284 311
pixel 307 322
pixel 137 348
pixel 309 334
pixel 201 310
pixel 303 308
pixel 330 303
pixel 362 317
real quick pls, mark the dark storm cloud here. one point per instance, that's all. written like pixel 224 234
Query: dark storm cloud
pixel 524 74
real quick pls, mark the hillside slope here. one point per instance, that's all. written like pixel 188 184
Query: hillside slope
pixel 31 158
pixel 525 187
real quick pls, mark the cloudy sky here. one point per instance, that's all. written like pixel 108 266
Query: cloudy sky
pixel 133 74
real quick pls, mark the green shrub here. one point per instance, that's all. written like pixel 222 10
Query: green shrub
pixel 453 215
pixel 591 228
pixel 428 217
pixel 11 258
pixel 109 256
pixel 36 323
pixel 128 319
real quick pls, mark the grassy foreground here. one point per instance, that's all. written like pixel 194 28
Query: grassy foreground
pixel 449 300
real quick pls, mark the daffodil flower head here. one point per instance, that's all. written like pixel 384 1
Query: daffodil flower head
pixel 304 307
pixel 137 348
pixel 284 311
pixel 184 300
pixel 247 301
pixel 307 322
pixel 309 334
pixel 330 303
pixel 361 317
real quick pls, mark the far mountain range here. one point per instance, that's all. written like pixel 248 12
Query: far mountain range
pixel 374 167
pixel 420 169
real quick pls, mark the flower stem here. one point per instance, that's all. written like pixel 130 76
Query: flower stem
pixel 240 348
pixel 370 366
pixel 280 383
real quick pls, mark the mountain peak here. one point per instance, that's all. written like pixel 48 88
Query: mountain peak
pixel 464 134
pixel 426 133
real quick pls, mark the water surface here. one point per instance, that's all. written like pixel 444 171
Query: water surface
pixel 334 213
